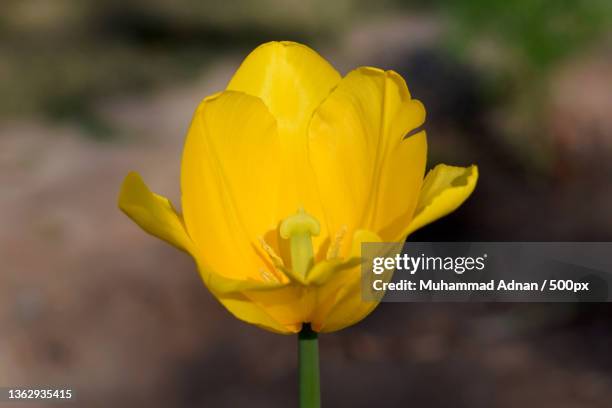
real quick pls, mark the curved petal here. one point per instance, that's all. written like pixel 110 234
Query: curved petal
pixel 368 173
pixel 277 307
pixel 230 184
pixel 244 308
pixel 445 188
pixel 291 79
pixel 242 298
pixel 338 300
pixel 153 213
pixel 286 305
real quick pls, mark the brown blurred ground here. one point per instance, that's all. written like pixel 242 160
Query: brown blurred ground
pixel 88 300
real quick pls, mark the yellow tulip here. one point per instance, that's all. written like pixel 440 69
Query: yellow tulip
pixel 285 173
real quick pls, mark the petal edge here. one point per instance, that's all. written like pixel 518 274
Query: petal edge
pixel 152 212
pixel 445 188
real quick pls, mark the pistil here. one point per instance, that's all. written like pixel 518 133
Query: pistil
pixel 299 230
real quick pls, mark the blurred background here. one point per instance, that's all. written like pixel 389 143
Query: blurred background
pixel 93 89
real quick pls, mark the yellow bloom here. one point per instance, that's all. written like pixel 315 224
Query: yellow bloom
pixel 292 152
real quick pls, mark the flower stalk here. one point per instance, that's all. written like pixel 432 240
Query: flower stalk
pixel 308 362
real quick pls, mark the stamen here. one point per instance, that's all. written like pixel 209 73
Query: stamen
pixel 267 276
pixel 334 248
pixel 276 260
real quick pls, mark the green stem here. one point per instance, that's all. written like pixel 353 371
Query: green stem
pixel 308 361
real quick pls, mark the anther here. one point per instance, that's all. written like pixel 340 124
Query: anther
pixel 334 248
pixel 276 260
pixel 267 276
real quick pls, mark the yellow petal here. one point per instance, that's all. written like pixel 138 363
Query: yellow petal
pixel 338 299
pixel 152 212
pixel 290 78
pixel 285 305
pixel 445 188
pixel 246 309
pixel 276 307
pixel 230 184
pixel 367 172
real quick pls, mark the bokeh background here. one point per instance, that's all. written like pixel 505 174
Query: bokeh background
pixel 92 89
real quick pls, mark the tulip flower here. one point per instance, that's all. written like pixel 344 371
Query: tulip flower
pixel 284 174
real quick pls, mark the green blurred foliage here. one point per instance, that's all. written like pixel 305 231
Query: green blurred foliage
pixel 541 31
